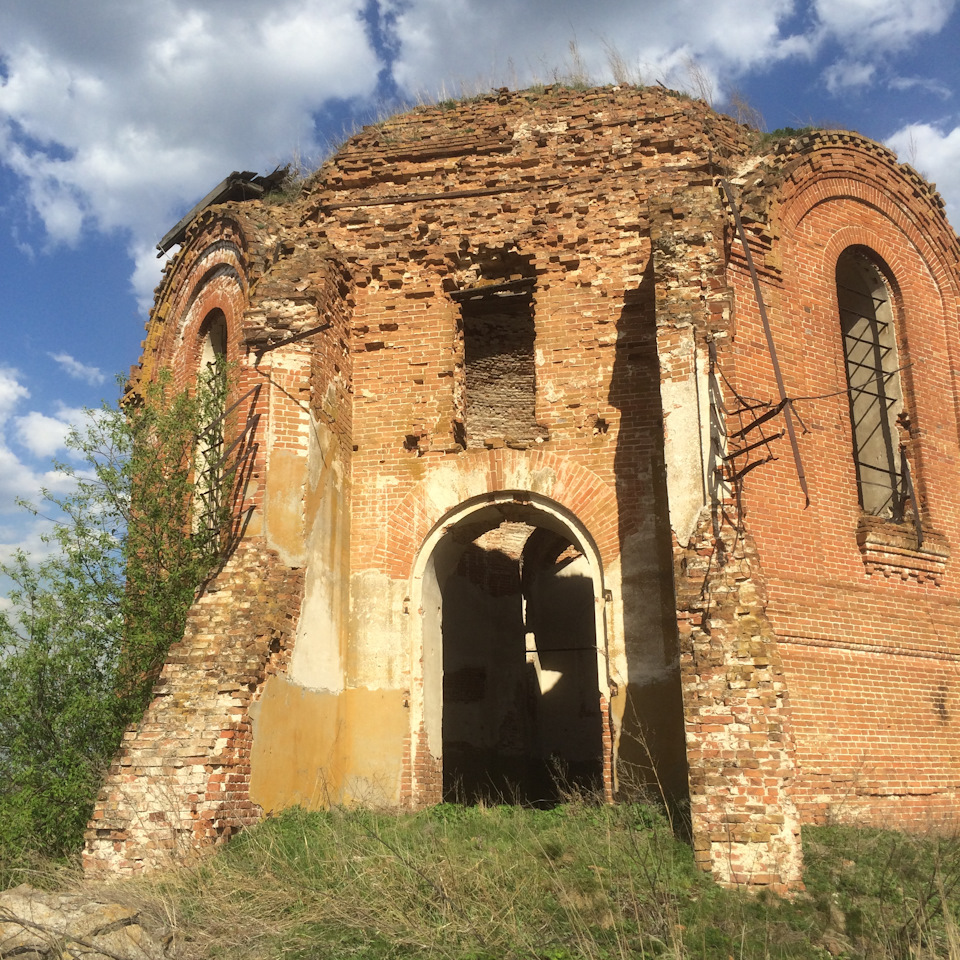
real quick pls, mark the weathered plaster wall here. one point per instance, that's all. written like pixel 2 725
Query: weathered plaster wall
pixel 306 715
pixel 315 748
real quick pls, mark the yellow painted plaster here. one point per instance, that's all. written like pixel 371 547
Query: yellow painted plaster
pixel 313 748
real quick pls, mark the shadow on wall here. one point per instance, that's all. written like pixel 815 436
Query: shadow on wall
pixel 652 751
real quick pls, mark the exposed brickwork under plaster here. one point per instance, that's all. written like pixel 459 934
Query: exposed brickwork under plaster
pixel 181 780
pixel 739 744
pixel 599 215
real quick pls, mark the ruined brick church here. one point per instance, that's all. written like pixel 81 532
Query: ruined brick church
pixel 584 441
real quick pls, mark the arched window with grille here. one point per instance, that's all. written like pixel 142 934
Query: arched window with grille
pixel 212 393
pixel 873 378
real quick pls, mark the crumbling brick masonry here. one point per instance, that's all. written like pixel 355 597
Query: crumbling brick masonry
pixel 519 510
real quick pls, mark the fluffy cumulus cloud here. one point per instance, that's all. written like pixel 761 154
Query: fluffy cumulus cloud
pixel 17 479
pixel 28 438
pixel 848 75
pixel 24 436
pixel 146 272
pixel 868 31
pixel 474 45
pixel 870 28
pixel 936 154
pixel 29 537
pixel 501 42
pixel 117 113
pixel 12 391
pixel 45 436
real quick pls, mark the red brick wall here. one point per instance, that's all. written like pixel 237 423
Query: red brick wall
pixel 869 641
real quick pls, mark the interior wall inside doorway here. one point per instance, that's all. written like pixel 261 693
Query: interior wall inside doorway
pixel 521 696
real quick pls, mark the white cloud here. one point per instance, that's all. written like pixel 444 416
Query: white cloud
pixel 875 27
pixel 482 45
pixel 500 41
pixel 119 114
pixel 11 392
pixel 21 480
pixel 17 480
pixel 147 270
pixel 870 32
pixel 921 83
pixel 935 154
pixel 31 535
pixel 77 370
pixel 25 248
pixel 27 537
pixel 848 75
pixel 37 434
pixel 45 436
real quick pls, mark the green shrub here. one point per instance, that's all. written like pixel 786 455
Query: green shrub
pixel 88 627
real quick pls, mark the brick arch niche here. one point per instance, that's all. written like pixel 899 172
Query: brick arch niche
pixel 511 679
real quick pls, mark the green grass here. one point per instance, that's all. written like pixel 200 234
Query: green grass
pixel 578 881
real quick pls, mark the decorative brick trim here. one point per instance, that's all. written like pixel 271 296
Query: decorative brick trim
pixel 890 549
pixel 574 487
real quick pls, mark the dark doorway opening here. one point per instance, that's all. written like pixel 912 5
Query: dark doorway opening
pixel 521 699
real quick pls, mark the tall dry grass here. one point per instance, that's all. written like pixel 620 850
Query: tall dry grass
pixel 579 881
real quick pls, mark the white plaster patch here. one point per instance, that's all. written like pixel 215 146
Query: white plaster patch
pixel 379 655
pixel 316 661
pixel 317 655
pixel 446 487
pixel 686 444
pixel 543 480
pixel 527 131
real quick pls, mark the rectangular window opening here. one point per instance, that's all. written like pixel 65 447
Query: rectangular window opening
pixel 499 366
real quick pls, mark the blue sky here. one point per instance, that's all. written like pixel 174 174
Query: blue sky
pixel 116 116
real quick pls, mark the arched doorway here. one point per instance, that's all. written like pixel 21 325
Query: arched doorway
pixel 514 667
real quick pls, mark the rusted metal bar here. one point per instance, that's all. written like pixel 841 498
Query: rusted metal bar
pixel 260 351
pixel 250 426
pixel 753 446
pixel 740 474
pixel 252 392
pixel 762 419
pixel 784 399
pixel 912 494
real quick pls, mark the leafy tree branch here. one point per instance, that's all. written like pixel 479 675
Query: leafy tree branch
pixel 88 627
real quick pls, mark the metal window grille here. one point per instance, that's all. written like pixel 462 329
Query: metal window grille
pixel 870 354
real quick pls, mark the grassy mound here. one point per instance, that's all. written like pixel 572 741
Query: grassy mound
pixel 578 881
